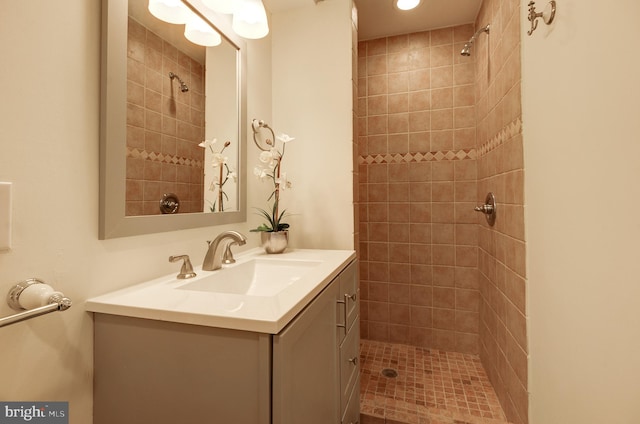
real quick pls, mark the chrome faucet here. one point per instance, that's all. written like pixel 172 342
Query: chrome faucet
pixel 213 260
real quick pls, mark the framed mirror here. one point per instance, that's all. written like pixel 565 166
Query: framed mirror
pixel 161 97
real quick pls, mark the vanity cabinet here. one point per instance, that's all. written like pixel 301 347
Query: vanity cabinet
pixel 315 359
pixel 349 346
pixel 151 371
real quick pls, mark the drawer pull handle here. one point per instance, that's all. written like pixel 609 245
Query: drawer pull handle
pixel 344 307
pixel 353 360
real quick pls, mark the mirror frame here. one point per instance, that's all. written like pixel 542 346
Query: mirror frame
pixel 113 126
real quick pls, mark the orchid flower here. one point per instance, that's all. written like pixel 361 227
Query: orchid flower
pixel 217 160
pixel 283 182
pixel 284 138
pixel 261 173
pixel 266 156
pixel 219 164
pixel 208 143
pixel 271 168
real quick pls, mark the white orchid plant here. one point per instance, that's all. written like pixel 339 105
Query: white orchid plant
pixel 271 169
pixel 223 170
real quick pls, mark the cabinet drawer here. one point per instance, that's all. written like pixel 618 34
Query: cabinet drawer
pixel 352 411
pixel 350 293
pixel 349 364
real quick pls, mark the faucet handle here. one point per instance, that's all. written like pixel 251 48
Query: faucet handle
pixel 187 269
pixel 227 257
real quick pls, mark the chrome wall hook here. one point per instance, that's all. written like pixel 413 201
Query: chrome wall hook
pixel 547 16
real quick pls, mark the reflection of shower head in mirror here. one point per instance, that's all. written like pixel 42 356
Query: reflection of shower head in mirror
pixel 183 86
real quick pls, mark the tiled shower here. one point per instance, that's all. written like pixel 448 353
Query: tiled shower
pixel 436 132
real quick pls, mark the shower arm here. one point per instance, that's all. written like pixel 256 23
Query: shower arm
pixel 172 76
pixel 183 86
pixel 486 29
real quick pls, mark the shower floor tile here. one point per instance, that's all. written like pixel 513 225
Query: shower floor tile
pixel 432 387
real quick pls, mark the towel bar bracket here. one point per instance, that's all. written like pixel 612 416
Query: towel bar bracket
pixel 41 300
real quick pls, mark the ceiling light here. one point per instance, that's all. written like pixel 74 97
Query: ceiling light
pixel 199 32
pixel 407 4
pixel 250 19
pixel 171 11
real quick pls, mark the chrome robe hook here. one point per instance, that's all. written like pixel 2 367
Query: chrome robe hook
pixel 546 17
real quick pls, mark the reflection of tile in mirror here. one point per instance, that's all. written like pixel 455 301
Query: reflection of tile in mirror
pixel 165 122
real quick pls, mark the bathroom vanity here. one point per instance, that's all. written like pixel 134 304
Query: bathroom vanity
pixel 283 354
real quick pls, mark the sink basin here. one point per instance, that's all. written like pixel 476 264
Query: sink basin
pixel 256 277
pixel 259 293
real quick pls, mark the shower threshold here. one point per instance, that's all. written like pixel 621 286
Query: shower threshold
pixel 402 384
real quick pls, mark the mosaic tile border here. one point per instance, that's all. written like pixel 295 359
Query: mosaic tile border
pixel 464 154
pixel 507 133
pixel 160 157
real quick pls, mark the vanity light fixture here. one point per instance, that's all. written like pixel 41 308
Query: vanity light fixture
pixel 249 18
pixel 199 32
pixel 171 11
pixel 406 4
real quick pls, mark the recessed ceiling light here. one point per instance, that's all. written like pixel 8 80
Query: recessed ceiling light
pixel 406 4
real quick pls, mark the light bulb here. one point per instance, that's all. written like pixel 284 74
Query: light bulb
pixel 250 19
pixel 199 32
pixel 171 11
pixel 407 4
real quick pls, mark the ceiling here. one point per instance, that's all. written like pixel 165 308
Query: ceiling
pixel 380 18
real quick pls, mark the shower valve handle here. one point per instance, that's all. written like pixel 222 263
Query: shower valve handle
pixel 489 208
pixel 486 209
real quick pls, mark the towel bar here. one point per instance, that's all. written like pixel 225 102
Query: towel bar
pixel 36 298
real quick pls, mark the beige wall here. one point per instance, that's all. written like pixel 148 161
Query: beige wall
pixel 312 101
pixel 49 129
pixel 581 112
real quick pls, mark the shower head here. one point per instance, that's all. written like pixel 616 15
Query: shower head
pixel 183 86
pixel 466 50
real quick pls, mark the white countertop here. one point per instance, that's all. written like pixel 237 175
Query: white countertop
pixel 162 299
